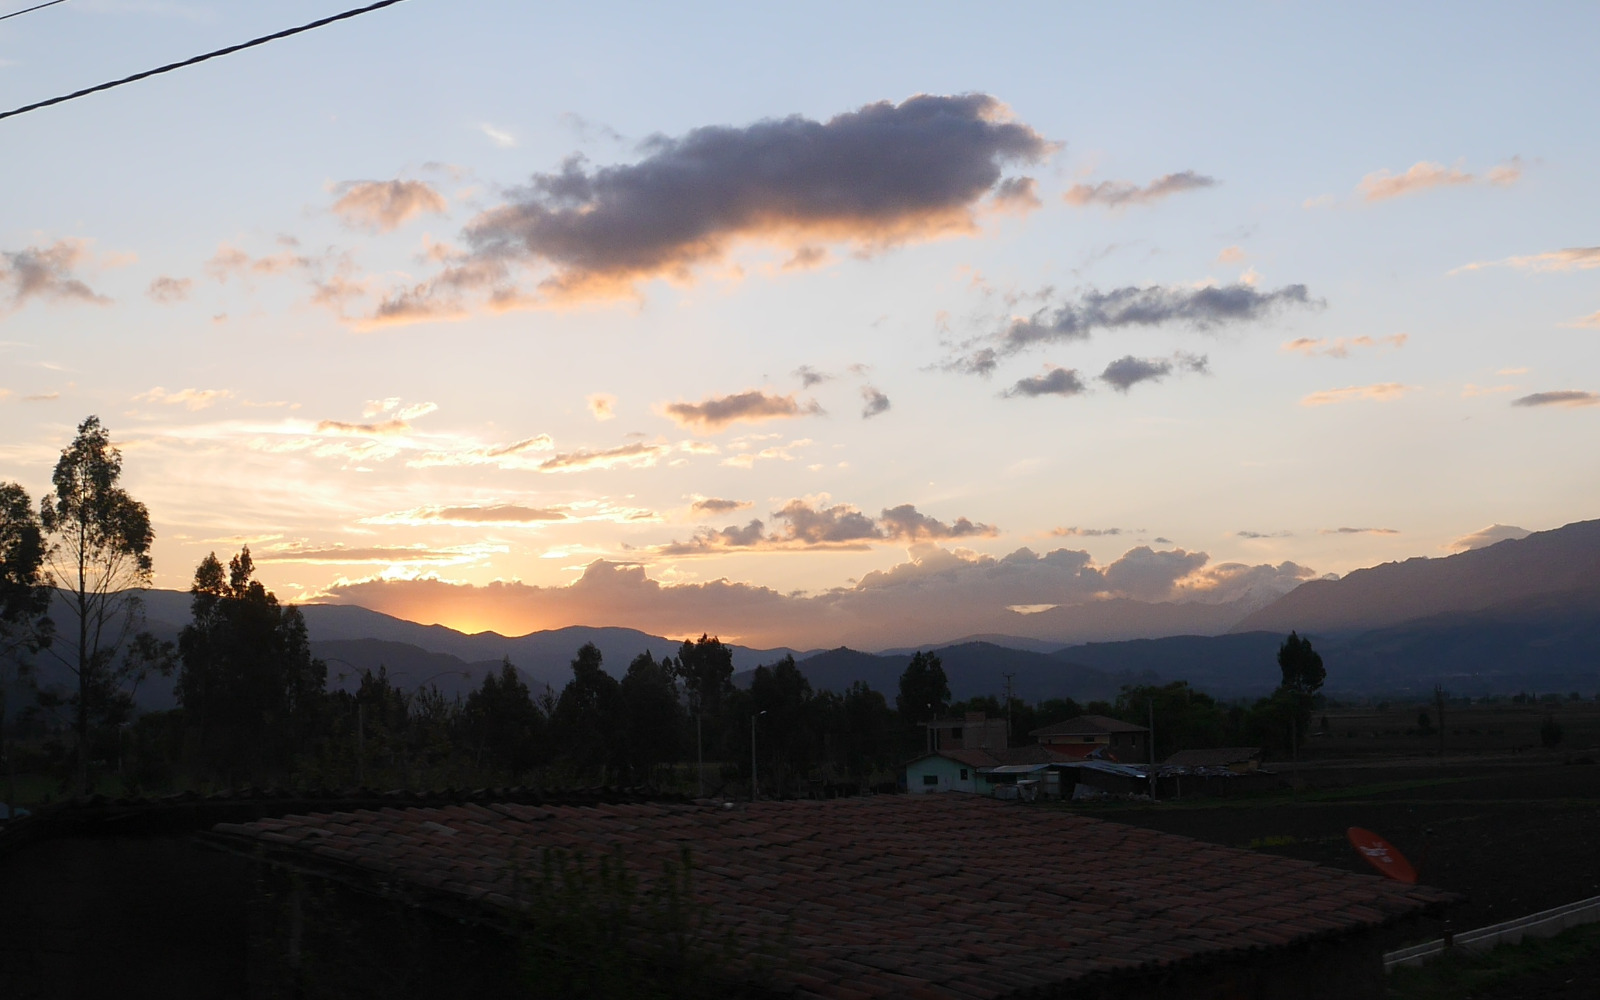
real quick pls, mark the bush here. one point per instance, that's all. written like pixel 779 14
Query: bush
pixel 1550 732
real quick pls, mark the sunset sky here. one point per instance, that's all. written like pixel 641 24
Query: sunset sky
pixel 836 320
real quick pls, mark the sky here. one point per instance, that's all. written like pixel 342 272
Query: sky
pixel 892 322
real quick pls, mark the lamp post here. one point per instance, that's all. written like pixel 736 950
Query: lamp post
pixel 755 788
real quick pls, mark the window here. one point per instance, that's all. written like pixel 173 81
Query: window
pixel 1088 739
pixel 963 774
pixel 930 779
pixel 955 733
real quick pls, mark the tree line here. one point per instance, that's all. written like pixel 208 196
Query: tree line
pixel 255 707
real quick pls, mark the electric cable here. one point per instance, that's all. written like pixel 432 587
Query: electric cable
pixel 252 43
pixel 29 10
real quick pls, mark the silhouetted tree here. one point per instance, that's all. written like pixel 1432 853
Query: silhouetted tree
pixel 924 691
pixel 1185 719
pixel 652 717
pixel 706 669
pixel 587 713
pixel 1302 668
pixel 867 731
pixel 501 722
pixel 251 691
pixel 99 556
pixel 787 734
pixel 25 624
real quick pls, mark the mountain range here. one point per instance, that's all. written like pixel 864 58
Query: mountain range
pixel 1520 615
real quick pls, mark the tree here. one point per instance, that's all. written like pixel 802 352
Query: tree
pixel 99 556
pixel 651 715
pixel 500 720
pixel 1302 668
pixel 24 600
pixel 706 669
pixel 250 689
pixel 924 691
pixel 785 732
pixel 587 713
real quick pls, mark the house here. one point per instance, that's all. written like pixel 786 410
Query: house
pixel 1085 734
pixel 1239 760
pixel 981 771
pixel 936 896
pixel 973 731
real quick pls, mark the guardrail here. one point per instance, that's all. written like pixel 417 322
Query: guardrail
pixel 1545 923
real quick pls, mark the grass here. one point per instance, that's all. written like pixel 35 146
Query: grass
pixel 1463 974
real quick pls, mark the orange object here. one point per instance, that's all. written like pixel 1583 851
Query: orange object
pixel 1382 855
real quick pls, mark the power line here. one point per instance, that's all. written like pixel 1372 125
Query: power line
pixel 26 10
pixel 252 43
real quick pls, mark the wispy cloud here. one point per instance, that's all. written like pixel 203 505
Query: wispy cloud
pixel 754 406
pixel 1560 397
pixel 1569 259
pixel 47 274
pixel 501 137
pixel 1117 194
pixel 873 402
pixel 1379 392
pixel 640 454
pixel 383 206
pixel 168 290
pixel 1421 176
pixel 1358 531
pixel 1340 347
pixel 716 506
pixel 813 523
pixel 1076 532
pixel 602 405
pixel 513 515
pixel 1202 308
pixel 1485 537
pixel 191 399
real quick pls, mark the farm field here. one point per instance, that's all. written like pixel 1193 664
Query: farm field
pixel 1390 730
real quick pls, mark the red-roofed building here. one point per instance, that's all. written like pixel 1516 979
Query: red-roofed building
pixel 937 897
pixel 1082 736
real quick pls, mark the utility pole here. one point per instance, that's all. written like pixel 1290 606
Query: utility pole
pixel 1008 677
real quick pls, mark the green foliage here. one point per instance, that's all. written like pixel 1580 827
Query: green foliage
pixel 652 717
pixel 590 930
pixel 786 734
pixel 706 669
pixel 251 691
pixel 586 718
pixel 1527 969
pixel 924 691
pixel 24 588
pixel 1185 719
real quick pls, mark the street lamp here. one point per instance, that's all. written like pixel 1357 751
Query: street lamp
pixel 755 788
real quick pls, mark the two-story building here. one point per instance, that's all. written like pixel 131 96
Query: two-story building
pixel 1085 734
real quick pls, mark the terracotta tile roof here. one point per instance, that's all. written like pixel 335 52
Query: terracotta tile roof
pixel 937 896
pixel 1219 757
pixel 1088 725
pixel 995 756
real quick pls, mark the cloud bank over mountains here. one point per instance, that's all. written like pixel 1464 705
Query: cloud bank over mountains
pixel 938 593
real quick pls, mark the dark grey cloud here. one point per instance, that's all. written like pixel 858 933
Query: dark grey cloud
pixel 753 406
pixel 1560 397
pixel 1116 194
pixel 1054 382
pixel 1127 372
pixel 873 402
pixel 47 273
pixel 1155 305
pixel 717 505
pixel 810 525
pixel 1264 534
pixel 1076 532
pixel 809 376
pixel 880 176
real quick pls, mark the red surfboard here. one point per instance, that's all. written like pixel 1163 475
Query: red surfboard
pixel 1382 855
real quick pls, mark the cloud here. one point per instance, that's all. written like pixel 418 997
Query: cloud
pixel 874 178
pixel 1358 531
pixel 1561 397
pixel 807 257
pixel 1485 537
pixel 1380 392
pixel 1117 194
pixel 628 456
pixel 1340 347
pixel 231 262
pixel 379 555
pixel 168 290
pixel 46 273
pixel 1076 532
pixel 1569 259
pixel 811 524
pixel 716 412
pixel 382 428
pixel 783 453
pixel 714 506
pixel 383 206
pixel 192 399
pixel 41 397
pixel 809 376
pixel 499 514
pixel 1126 372
pixel 1470 390
pixel 873 402
pixel 936 592
pixel 1593 319
pixel 1422 176
pixel 1264 534
pixel 603 405
pixel 1056 381
pixel 1231 255
pixel 499 136
pixel 1202 308
pixel 1017 194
